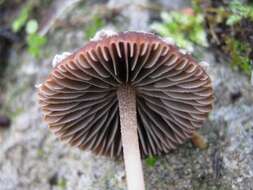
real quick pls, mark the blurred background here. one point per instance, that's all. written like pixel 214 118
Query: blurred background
pixel 217 32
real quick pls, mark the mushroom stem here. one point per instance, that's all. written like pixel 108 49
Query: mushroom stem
pixel 129 136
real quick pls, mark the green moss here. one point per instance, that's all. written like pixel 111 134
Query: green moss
pixel 231 13
pixel 95 24
pixel 238 52
pixel 62 183
pixel 40 152
pixel 228 28
pixel 187 30
pixel 238 11
pixel 151 161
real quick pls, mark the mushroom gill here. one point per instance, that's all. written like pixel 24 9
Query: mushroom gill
pixel 173 94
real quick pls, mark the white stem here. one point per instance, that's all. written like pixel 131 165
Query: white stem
pixel 129 136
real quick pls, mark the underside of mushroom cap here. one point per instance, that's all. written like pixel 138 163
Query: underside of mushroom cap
pixel 173 94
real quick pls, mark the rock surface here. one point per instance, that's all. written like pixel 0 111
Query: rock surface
pixel 31 158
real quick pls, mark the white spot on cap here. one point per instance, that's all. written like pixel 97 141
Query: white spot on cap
pixel 204 64
pixel 38 85
pixel 103 34
pixel 184 51
pixel 169 41
pixel 59 57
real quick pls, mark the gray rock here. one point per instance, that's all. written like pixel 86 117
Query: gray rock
pixel 32 158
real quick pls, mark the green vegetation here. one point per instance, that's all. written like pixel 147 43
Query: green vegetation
pixel 40 152
pixel 62 183
pixel 229 28
pixel 225 29
pixel 21 20
pixel 187 30
pixel 95 24
pixel 238 11
pixel 34 41
pixel 31 26
pixel 238 52
pixel 151 161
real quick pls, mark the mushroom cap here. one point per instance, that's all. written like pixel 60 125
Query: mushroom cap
pixel 173 94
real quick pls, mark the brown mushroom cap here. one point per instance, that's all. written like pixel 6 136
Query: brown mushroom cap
pixel 173 94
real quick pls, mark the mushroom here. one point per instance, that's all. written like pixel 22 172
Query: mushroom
pixel 129 94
